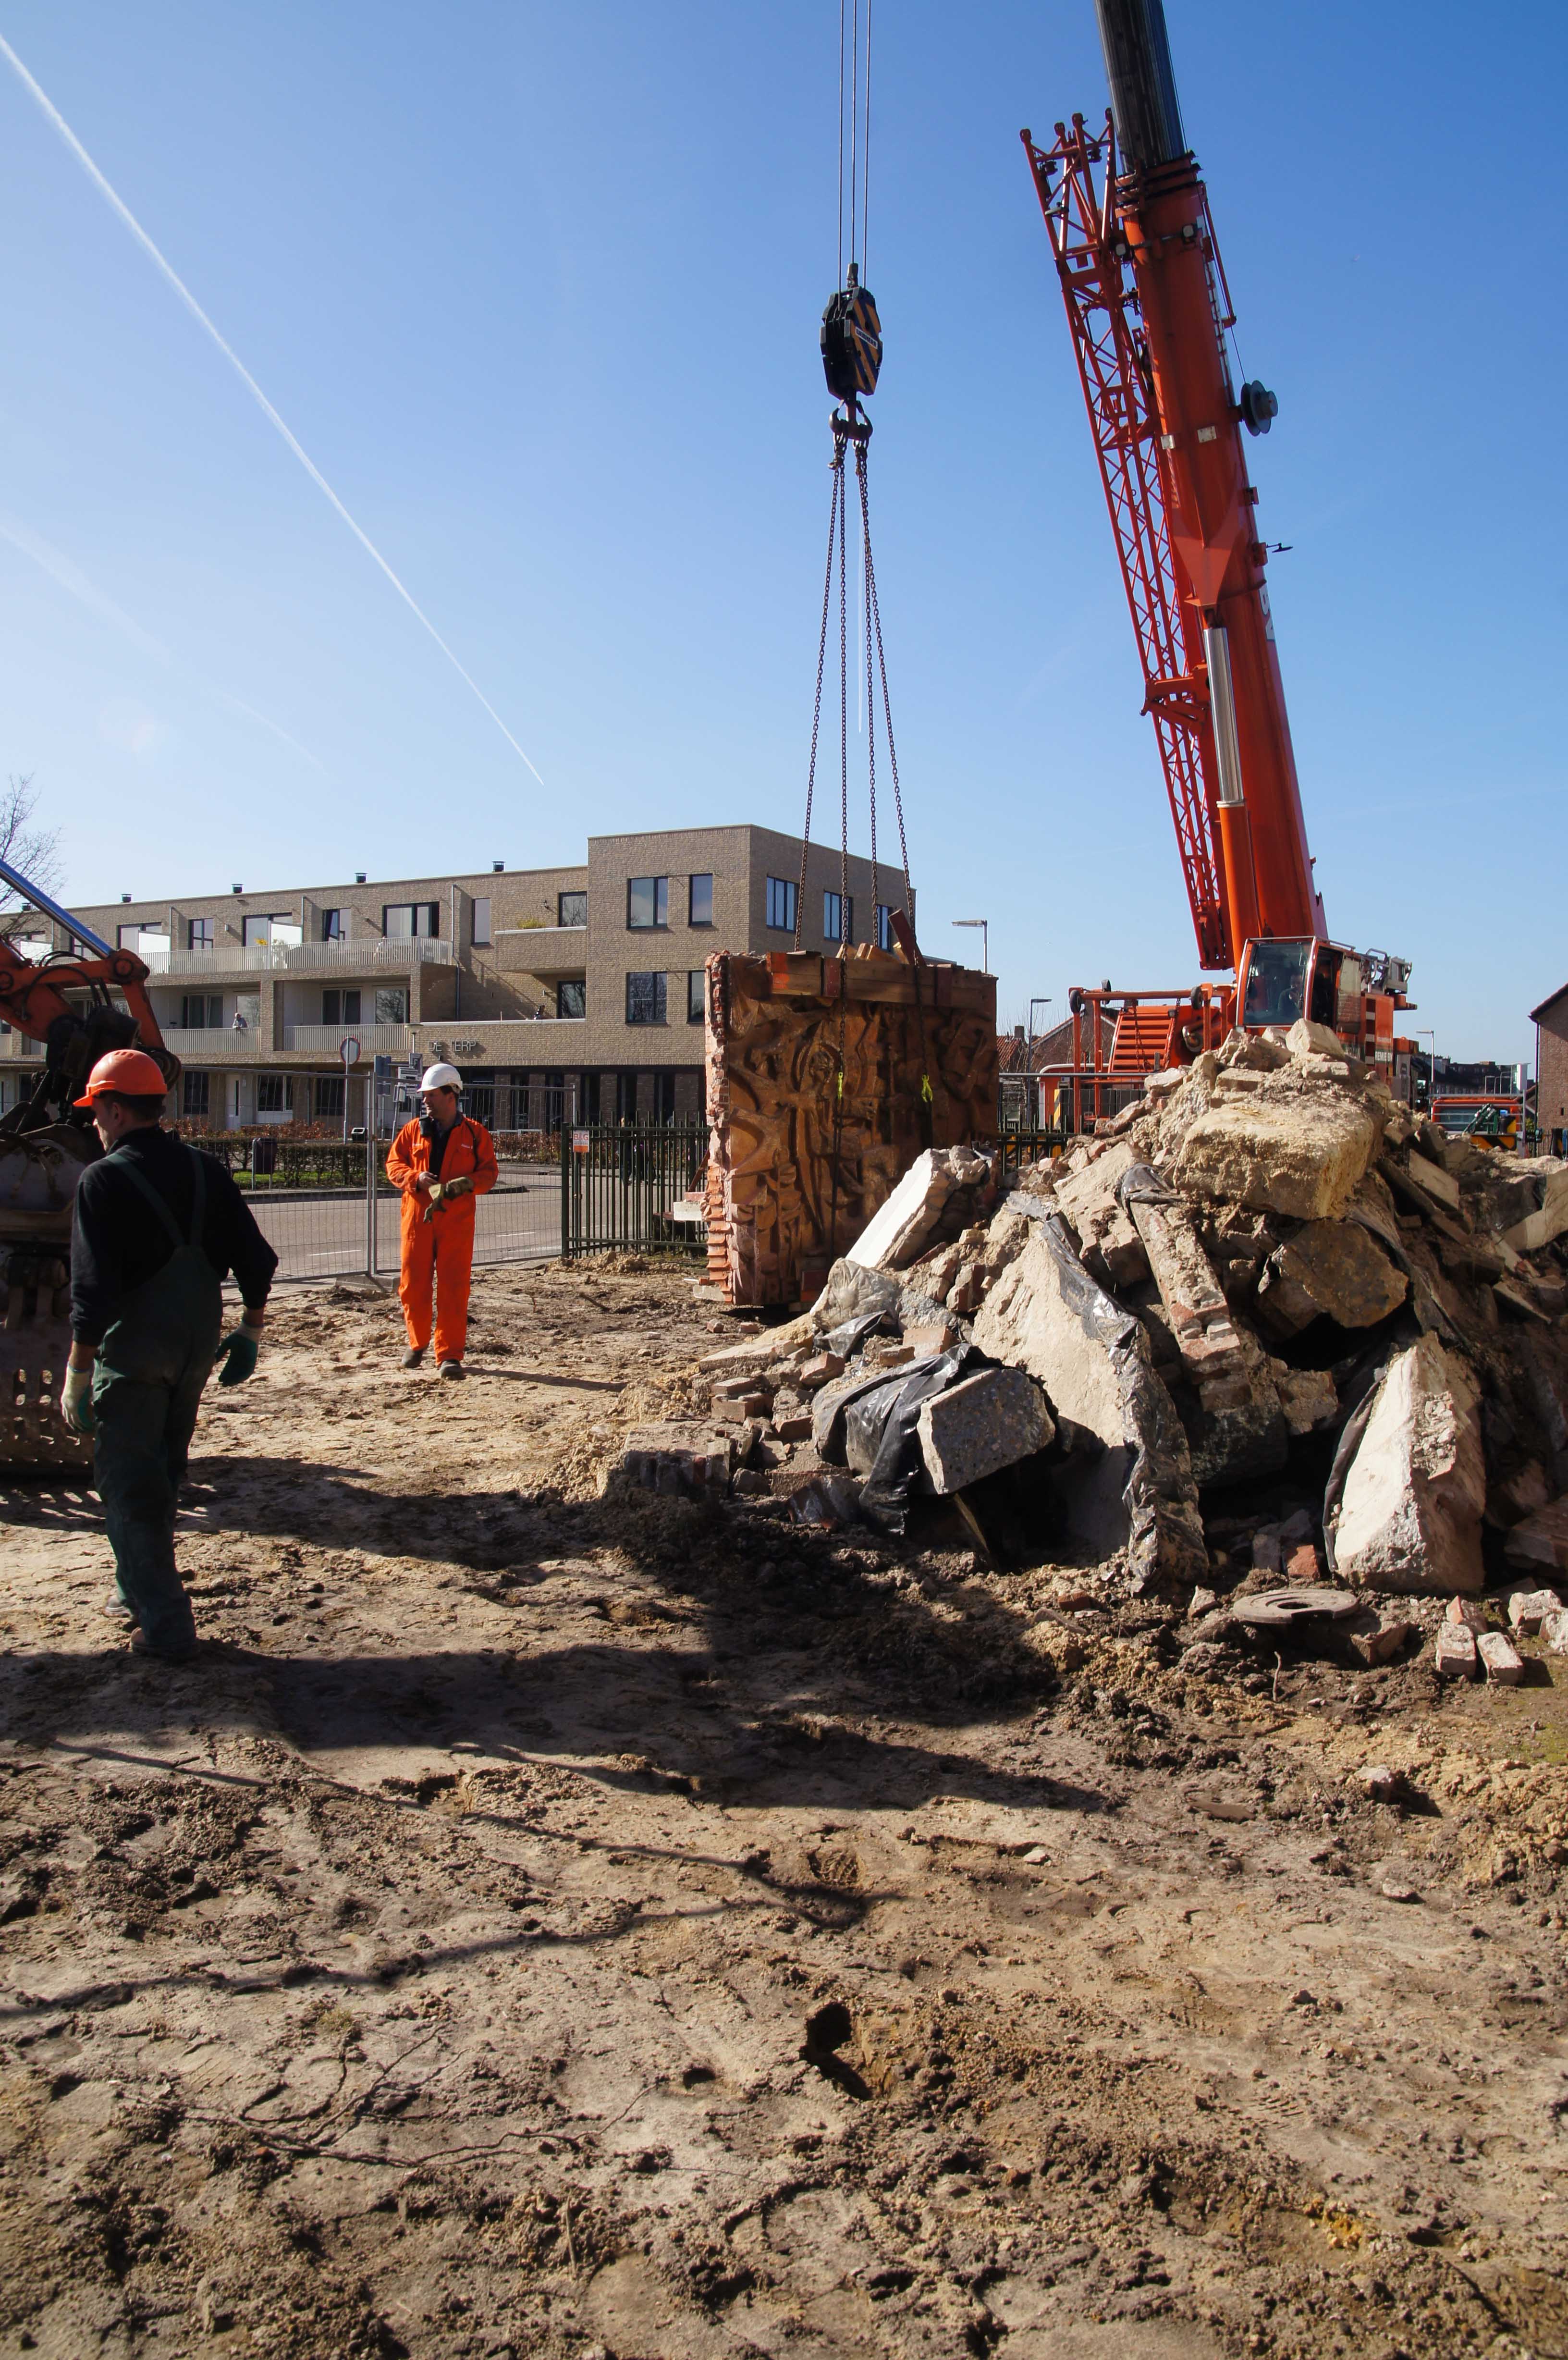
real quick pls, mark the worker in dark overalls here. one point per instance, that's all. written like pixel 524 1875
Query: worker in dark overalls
pixel 156 1230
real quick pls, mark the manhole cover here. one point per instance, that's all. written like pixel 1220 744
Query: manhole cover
pixel 1274 1610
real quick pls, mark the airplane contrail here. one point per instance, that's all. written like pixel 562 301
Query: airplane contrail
pixel 58 120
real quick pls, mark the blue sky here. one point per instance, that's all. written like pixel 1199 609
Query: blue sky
pixel 538 290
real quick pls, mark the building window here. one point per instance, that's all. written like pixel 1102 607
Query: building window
pixel 340 1007
pixel 198 934
pixel 648 901
pixel 200 1010
pixel 696 995
pixel 645 998
pixel 331 926
pixel 782 905
pixel 274 1093
pixel 329 1098
pixel 482 917
pixel 407 921
pixel 700 902
pixel 281 931
pixel 838 918
pixel 885 937
pixel 391 1004
pixel 571 909
pixel 572 997
pixel 195 1093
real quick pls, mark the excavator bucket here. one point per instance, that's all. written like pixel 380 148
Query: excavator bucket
pixel 38 1172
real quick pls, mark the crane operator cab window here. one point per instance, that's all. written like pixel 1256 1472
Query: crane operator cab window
pixel 1276 988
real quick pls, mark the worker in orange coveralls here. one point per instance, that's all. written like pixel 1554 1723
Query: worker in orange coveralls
pixel 441 1160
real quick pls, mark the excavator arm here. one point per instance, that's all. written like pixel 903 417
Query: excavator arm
pixel 35 998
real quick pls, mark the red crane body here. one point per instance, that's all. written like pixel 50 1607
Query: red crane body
pixel 1148 311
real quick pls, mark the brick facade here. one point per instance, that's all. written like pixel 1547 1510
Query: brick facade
pixel 519 977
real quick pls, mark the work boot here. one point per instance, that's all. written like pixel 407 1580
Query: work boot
pixel 176 1655
pixel 413 1356
pixel 453 1369
pixel 118 1610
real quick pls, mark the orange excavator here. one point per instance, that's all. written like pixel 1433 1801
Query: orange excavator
pixel 1149 313
pixel 79 1004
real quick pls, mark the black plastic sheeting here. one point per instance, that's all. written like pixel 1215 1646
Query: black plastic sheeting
pixel 882 1438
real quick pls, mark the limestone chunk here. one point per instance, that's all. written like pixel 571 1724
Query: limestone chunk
pixel 1409 1515
pixel 1285 1150
pixel 1331 1267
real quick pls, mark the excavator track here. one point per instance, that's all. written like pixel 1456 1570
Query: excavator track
pixel 38 1172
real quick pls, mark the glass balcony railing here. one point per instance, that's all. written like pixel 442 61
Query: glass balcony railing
pixel 368 955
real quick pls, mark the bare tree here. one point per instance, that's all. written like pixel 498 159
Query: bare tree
pixel 32 850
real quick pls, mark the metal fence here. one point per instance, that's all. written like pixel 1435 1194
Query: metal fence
pixel 625 1184
pixel 345 1232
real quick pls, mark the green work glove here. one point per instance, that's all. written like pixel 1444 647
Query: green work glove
pixel 76 1401
pixel 236 1355
pixel 436 1192
pixel 461 1187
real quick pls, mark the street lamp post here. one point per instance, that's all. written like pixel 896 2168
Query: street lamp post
pixel 1429 1032
pixel 984 926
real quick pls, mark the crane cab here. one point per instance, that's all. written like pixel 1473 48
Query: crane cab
pixel 1356 994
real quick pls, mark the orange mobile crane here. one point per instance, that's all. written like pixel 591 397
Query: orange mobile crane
pixel 70 1002
pixel 1149 310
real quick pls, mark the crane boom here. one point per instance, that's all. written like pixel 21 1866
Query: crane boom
pixel 1131 231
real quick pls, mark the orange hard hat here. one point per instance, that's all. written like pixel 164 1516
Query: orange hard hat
pixel 131 1071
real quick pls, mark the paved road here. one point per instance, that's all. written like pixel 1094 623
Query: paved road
pixel 321 1237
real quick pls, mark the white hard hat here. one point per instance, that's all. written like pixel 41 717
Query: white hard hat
pixel 440 1077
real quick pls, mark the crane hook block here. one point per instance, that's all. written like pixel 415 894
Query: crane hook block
pixel 852 342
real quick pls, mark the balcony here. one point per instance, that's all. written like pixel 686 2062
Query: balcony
pixel 324 1040
pixel 15 1046
pixel 503 1040
pixel 541 950
pixel 212 1045
pixel 368 955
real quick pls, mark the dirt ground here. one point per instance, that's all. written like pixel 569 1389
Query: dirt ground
pixel 543 1924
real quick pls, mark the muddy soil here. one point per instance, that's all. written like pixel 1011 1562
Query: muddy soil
pixel 539 1925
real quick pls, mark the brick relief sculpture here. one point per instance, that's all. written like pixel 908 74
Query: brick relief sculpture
pixel 781 1202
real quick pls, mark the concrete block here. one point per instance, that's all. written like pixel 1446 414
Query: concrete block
pixel 1500 1659
pixel 1454 1653
pixel 1539 1229
pixel 1527 1610
pixel 989 1421
pixel 1554 1631
pixel 1282 1150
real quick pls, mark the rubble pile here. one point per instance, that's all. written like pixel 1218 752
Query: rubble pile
pixel 1264 1328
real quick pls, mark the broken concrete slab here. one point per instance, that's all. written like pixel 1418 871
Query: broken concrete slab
pixel 1500 1659
pixel 1287 1150
pixel 986 1422
pixel 1541 1539
pixel 1330 1268
pixel 1306 1039
pixel 897 1232
pixel 1554 1632
pixel 1045 1314
pixel 1408 1515
pixel 1539 1229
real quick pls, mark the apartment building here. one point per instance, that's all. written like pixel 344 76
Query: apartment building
pixel 565 995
